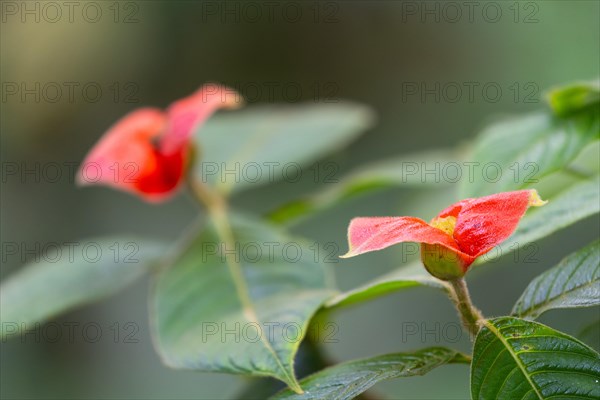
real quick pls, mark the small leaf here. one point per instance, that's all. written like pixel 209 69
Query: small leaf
pixel 406 277
pixel 207 319
pixel 518 152
pixel 83 272
pixel 404 171
pixel 572 98
pixel 519 359
pixel 348 380
pixel 574 282
pixel 263 144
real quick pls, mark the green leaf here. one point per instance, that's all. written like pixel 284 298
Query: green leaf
pixel 404 171
pixel 64 278
pixel 406 277
pixel 348 380
pixel 263 144
pixel 572 98
pixel 519 359
pixel 577 202
pixel 518 152
pixel 208 319
pixel 309 359
pixel 573 204
pixel 590 333
pixel 574 282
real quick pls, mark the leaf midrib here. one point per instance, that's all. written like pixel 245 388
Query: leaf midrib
pixel 224 231
pixel 513 354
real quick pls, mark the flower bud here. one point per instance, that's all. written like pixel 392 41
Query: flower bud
pixel 442 262
pixel 439 260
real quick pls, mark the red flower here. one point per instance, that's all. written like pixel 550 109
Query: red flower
pixel 452 240
pixel 147 151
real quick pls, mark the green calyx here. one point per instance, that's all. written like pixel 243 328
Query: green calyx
pixel 442 262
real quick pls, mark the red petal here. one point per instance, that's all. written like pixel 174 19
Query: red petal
pixel 376 233
pixel 126 158
pixel 484 222
pixel 187 114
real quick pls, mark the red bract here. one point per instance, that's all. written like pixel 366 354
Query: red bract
pixel 147 151
pixel 452 240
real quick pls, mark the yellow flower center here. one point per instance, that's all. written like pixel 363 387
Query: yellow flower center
pixel 445 224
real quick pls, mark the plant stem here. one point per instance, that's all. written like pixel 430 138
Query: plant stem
pixel 218 211
pixel 206 196
pixel 470 316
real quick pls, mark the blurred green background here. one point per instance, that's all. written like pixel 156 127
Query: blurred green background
pixel 152 52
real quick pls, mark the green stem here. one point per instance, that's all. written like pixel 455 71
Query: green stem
pixel 206 196
pixel 470 316
pixel 217 209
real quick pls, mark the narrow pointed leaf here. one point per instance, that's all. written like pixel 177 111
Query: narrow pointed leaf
pixel 518 152
pixel 348 380
pixel 574 282
pixel 80 273
pixel 402 171
pixel 204 320
pixel 263 144
pixel 406 277
pixel 518 359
